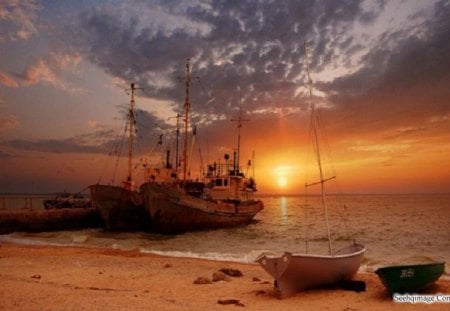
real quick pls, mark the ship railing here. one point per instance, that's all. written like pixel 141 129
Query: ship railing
pixel 22 201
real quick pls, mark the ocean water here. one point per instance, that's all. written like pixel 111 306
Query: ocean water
pixel 396 229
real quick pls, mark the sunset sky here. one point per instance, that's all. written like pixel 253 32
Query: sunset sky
pixel 381 72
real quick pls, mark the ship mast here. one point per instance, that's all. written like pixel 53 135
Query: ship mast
pixel 187 106
pixel 132 120
pixel 178 116
pixel 239 126
pixel 316 146
pixel 178 138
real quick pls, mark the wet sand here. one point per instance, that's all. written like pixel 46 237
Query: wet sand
pixel 73 278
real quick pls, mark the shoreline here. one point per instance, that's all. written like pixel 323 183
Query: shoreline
pixel 71 277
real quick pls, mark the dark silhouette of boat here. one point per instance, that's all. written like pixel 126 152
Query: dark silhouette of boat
pixel 121 206
pixel 225 198
pixel 67 200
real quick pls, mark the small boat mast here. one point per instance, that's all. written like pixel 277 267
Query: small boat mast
pixel 317 149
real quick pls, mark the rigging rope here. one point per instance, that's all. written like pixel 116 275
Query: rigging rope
pixel 119 153
pixel 342 211
pixel 113 151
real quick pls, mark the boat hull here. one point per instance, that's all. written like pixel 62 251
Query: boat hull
pixel 172 211
pixel 120 209
pixel 410 278
pixel 298 272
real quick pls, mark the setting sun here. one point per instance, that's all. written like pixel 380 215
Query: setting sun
pixel 282 181
pixel 283 178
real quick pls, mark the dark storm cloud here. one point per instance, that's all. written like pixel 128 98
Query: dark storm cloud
pixel 53 145
pixel 252 52
pixel 6 155
pixel 406 74
pixel 247 49
pixel 99 141
pixel 102 140
pixel 150 129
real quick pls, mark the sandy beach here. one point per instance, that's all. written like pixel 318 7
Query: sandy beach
pixel 73 278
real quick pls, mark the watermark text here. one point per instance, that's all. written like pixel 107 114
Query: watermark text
pixel 415 298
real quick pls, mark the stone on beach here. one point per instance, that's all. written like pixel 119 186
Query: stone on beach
pixel 202 280
pixel 232 272
pixel 220 276
pixel 235 302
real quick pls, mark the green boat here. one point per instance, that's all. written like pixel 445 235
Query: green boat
pixel 410 278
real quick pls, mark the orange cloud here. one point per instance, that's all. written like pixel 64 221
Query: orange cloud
pixel 92 124
pixel 7 80
pixel 47 70
pixel 41 72
pixel 21 15
pixel 8 122
pixel 50 70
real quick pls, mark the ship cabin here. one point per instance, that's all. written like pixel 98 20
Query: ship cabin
pixel 225 184
pixel 160 175
pixel 165 174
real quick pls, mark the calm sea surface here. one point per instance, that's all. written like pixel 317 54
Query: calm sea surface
pixel 395 229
